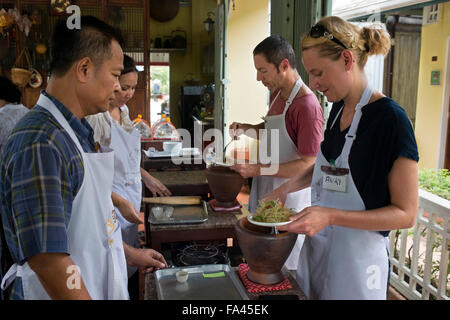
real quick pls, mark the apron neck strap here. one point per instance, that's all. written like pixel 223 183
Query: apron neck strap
pixel 295 90
pixel 111 122
pixel 275 99
pixel 351 135
pixel 48 104
pixel 365 98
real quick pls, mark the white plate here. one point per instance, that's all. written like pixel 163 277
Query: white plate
pixel 157 154
pixel 267 224
pixel 188 152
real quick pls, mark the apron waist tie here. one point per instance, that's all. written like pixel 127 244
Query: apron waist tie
pixel 13 272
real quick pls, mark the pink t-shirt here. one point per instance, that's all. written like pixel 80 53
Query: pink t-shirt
pixel 304 122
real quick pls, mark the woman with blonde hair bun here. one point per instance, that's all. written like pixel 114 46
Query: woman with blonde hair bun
pixel 364 182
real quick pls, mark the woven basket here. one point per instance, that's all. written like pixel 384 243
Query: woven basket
pixel 19 76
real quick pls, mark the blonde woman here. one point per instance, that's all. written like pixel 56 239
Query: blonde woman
pixel 364 182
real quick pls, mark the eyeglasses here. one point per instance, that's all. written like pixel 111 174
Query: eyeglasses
pixel 319 30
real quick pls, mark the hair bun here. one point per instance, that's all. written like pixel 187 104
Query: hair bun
pixel 376 40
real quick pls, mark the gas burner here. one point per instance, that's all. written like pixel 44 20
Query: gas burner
pixel 201 254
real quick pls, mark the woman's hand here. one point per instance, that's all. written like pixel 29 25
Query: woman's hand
pixel 126 208
pixel 154 185
pixel 310 221
pixel 129 212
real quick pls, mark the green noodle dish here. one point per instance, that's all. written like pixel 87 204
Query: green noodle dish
pixel 272 211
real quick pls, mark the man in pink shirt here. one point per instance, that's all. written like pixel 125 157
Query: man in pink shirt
pixel 295 115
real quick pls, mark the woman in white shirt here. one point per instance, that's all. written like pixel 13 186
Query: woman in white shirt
pixel 11 110
pixel 114 129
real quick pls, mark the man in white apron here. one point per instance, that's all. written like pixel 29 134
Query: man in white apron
pixel 292 103
pixel 91 263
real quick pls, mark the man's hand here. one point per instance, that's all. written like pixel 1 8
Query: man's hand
pixel 237 129
pixel 148 259
pixel 127 209
pixel 247 170
pixel 279 194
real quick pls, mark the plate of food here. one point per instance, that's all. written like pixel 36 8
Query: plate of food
pixel 271 214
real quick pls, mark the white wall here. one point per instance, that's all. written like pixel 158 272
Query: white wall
pixel 247 98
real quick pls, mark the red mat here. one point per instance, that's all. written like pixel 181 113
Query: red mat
pixel 258 288
pixel 236 207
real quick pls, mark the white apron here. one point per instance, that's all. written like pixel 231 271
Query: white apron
pixel 127 178
pixel 339 262
pixel 93 234
pixel 263 185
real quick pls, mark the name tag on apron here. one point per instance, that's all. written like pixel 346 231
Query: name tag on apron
pixel 334 178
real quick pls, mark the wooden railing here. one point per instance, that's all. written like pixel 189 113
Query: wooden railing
pixel 420 256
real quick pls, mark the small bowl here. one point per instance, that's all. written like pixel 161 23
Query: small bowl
pixel 182 276
pixel 173 147
pixel 158 212
pixel 168 211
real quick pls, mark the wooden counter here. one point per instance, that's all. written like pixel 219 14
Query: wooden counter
pixel 183 182
pixel 219 226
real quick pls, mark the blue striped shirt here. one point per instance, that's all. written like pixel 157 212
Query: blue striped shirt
pixel 42 172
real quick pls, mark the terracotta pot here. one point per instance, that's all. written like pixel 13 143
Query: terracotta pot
pixel 225 185
pixel 164 10
pixel 265 253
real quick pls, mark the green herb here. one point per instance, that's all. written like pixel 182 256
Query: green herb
pixel 214 275
pixel 436 181
pixel 258 218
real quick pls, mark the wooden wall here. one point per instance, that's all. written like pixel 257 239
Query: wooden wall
pixel 98 8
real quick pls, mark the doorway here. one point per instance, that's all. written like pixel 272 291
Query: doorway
pixel 159 86
pixel 444 132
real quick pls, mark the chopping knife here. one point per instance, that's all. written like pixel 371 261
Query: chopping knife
pixel 174 200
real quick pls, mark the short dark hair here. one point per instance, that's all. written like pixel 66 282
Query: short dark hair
pixel 275 48
pixel 128 65
pixel 9 91
pixel 92 40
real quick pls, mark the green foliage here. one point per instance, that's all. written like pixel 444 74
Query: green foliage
pixel 435 181
pixel 161 73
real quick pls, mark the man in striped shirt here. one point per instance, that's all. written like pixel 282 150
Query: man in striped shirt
pixel 42 169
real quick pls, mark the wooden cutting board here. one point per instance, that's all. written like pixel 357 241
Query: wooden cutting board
pixel 174 200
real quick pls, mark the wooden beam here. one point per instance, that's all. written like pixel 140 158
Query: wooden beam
pixel 104 8
pixel 147 94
